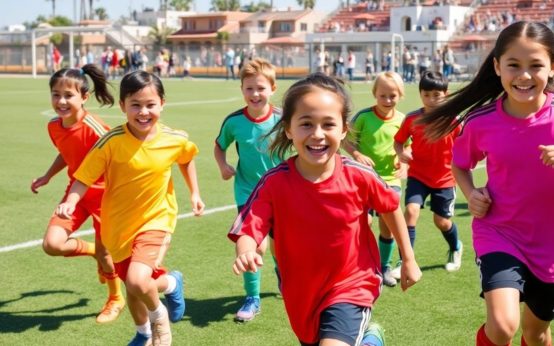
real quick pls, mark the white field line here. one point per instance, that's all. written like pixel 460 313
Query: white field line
pixel 85 232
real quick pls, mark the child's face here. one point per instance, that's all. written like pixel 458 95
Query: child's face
pixel 67 101
pixel 386 95
pixel 316 130
pixel 431 98
pixel 524 69
pixel 257 91
pixel 143 109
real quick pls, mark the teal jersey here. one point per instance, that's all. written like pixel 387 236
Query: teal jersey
pixel 252 148
pixel 374 136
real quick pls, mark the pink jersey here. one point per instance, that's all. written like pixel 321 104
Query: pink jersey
pixel 521 186
pixel 324 247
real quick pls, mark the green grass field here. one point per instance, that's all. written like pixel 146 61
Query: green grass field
pixel 53 301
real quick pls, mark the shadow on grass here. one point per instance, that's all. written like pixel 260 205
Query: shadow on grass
pixel 20 321
pixel 202 312
pixel 432 267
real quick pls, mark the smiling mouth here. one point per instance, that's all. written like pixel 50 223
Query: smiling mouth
pixel 317 149
pixel 144 121
pixel 524 87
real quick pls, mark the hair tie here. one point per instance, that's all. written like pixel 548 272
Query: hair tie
pixel 81 71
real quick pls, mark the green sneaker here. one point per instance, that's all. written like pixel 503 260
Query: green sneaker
pixel 374 335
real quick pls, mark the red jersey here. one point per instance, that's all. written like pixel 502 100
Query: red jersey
pixel 432 161
pixel 74 143
pixel 325 249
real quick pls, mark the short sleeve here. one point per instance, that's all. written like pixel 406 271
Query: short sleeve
pixel 190 150
pixel 357 125
pixel 93 166
pixel 466 153
pixel 225 137
pixel 404 132
pixel 382 198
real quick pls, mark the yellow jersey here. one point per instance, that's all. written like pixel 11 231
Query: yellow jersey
pixel 139 193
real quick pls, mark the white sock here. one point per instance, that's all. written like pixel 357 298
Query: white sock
pixel 171 284
pixel 158 314
pixel 145 329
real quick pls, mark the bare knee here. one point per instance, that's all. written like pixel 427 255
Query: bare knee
pixel 137 286
pixel 501 330
pixel 50 248
pixel 442 223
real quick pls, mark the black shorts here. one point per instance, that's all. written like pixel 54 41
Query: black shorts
pixel 442 200
pixel 343 321
pixel 501 270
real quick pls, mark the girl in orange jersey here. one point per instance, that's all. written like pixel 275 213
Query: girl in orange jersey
pixel 73 132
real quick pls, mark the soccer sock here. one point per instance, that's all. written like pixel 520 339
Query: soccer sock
pixel 83 248
pixel 451 237
pixel 252 283
pixel 411 234
pixel 386 248
pixel 114 287
pixel 145 329
pixel 483 340
pixel 158 314
pixel 171 284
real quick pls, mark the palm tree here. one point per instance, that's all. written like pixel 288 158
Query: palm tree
pixel 226 5
pixel 53 7
pixel 181 5
pixel 159 35
pixel 306 3
pixel 101 13
pixel 91 9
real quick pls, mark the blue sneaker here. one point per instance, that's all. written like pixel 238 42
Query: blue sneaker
pixel 141 340
pixel 248 310
pixel 176 299
pixel 374 335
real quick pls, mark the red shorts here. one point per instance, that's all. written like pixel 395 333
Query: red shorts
pixel 89 205
pixel 148 248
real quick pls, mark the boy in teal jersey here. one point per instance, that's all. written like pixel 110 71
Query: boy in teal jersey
pixel 248 127
pixel 372 144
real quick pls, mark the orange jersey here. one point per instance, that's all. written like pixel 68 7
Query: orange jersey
pixel 74 143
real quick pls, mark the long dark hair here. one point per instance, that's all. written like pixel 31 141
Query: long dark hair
pixel 78 76
pixel 486 86
pixel 137 80
pixel 281 145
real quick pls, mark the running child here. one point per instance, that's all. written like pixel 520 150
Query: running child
pixel 139 205
pixel 373 131
pixel 430 170
pixel 248 127
pixel 508 120
pixel 316 204
pixel 73 132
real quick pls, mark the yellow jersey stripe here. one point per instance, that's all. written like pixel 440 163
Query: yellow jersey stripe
pixel 114 132
pixel 94 125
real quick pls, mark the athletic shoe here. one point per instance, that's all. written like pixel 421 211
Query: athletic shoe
pixel 374 335
pixel 141 340
pixel 395 273
pixel 111 310
pixel 161 332
pixel 455 258
pixel 176 299
pixel 248 310
pixel 388 279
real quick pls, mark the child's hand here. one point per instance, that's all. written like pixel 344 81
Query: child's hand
pixel 197 204
pixel 479 202
pixel 65 210
pixel 247 261
pixel 406 155
pixel 547 155
pixel 227 172
pixel 365 160
pixel 38 182
pixel 401 170
pixel 409 274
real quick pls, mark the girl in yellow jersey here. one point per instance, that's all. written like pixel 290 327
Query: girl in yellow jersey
pixel 139 209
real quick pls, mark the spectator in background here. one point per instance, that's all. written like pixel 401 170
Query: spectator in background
pixel 230 63
pixel 57 58
pixel 350 64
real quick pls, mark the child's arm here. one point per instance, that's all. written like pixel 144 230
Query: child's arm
pixel 189 173
pixel 247 257
pixel 56 166
pixel 76 192
pixel 357 155
pixel 547 154
pixel 410 272
pixel 478 199
pixel 227 171
pixel 404 153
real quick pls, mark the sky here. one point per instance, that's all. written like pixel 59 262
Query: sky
pixel 19 11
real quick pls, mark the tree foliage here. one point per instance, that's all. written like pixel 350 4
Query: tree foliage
pixel 159 35
pixel 225 5
pixel 101 13
pixel 306 3
pixel 180 5
pixel 255 7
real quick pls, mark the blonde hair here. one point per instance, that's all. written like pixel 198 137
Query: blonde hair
pixel 258 66
pixel 392 76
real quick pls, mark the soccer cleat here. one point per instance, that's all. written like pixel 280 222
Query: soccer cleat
pixel 388 279
pixel 374 335
pixel 455 258
pixel 141 340
pixel 176 299
pixel 248 310
pixel 161 332
pixel 395 273
pixel 111 310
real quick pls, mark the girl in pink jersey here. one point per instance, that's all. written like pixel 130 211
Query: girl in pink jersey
pixel 316 205
pixel 73 132
pixel 508 120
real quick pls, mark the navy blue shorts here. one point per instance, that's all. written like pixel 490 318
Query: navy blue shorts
pixel 501 270
pixel 343 321
pixel 442 200
pixel 396 189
